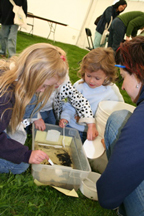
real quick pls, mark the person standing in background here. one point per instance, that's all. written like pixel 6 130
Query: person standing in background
pixel 8 28
pixel 112 11
pixel 128 23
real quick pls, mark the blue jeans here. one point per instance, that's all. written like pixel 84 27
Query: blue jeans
pixel 9 39
pixel 133 205
pixel 31 107
pixel 48 117
pixel 7 166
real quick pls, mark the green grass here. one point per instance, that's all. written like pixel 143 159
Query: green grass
pixel 74 53
pixel 19 196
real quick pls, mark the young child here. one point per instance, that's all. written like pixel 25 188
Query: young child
pixel 53 108
pixel 97 74
pixel 38 69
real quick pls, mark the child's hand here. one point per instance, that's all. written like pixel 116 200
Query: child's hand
pixel 62 123
pixel 37 156
pixel 92 132
pixel 39 124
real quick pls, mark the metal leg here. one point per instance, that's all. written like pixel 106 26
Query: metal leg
pixel 89 39
pixel 32 26
pixel 52 30
pixel 92 43
pixel 88 42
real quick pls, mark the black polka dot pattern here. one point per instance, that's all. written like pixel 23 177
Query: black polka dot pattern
pixel 77 100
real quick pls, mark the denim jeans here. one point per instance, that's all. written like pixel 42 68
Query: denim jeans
pixel 7 166
pixel 48 117
pixel 133 204
pixel 31 107
pixel 9 39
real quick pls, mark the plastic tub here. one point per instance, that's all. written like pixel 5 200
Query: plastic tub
pixel 60 175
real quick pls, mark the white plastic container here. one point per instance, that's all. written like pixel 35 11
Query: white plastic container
pixel 88 186
pixel 59 175
pixel 93 148
pixel 105 109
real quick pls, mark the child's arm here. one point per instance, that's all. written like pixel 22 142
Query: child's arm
pixel 77 100
pixel 39 124
pixel 68 113
pixel 92 132
pixel 80 105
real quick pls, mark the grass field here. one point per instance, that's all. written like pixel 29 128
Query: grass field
pixel 19 196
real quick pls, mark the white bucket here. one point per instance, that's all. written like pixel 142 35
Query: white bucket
pixel 105 108
pixel 100 125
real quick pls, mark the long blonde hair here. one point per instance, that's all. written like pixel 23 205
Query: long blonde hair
pixel 34 65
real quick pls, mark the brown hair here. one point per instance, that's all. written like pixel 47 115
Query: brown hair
pixel 99 59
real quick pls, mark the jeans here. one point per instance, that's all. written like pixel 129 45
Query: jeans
pixel 133 204
pixel 48 117
pixel 7 166
pixel 9 39
pixel 31 107
pixel 117 31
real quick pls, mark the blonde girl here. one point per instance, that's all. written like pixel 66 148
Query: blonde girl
pixel 38 69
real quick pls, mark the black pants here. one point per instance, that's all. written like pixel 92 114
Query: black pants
pixel 117 32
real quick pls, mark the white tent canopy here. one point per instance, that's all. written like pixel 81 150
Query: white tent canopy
pixel 77 14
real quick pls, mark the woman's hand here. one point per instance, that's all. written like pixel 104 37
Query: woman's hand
pixel 128 38
pixel 39 124
pixel 62 123
pixel 92 132
pixel 37 156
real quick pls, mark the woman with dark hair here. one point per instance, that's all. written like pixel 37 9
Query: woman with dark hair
pixel 112 11
pixel 122 183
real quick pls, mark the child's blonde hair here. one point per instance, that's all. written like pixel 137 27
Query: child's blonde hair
pixel 99 59
pixel 34 65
